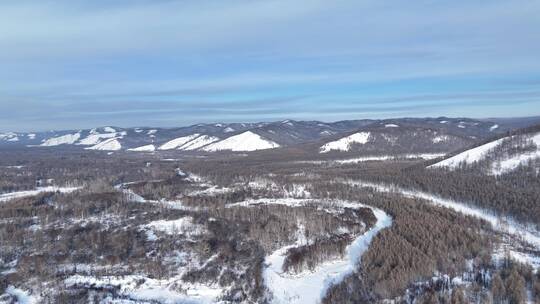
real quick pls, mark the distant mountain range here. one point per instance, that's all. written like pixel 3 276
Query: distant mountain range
pixel 401 135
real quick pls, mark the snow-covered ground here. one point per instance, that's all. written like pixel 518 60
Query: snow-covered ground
pixel 182 226
pixel 498 167
pixel 470 156
pixel 177 142
pixel 111 144
pixel 9 196
pixel 95 138
pixel 198 143
pixel 67 139
pixel 22 296
pixel 344 144
pixel 310 287
pixel 146 148
pixel 247 141
pixel 507 226
pixel 141 288
pixel 361 159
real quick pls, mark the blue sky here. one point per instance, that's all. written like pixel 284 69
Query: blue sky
pixel 71 64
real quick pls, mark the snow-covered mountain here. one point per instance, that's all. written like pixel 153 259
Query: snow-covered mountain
pixel 403 135
pixel 247 141
pixel 346 143
pixel 399 138
pixel 499 156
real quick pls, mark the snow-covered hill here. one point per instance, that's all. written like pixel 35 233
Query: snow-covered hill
pixel 67 139
pixel 198 143
pixel 498 156
pixel 111 144
pixel 177 142
pixel 394 136
pixel 345 143
pixel 247 141
pixel 146 148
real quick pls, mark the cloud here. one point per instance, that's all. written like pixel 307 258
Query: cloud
pixel 238 58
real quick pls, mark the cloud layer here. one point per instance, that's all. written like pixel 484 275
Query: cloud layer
pixel 75 64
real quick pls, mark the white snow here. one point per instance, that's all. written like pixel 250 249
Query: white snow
pixel 67 139
pixel 23 297
pixel 109 129
pixel 440 138
pixel 326 133
pixel 9 136
pixel 247 141
pixel 492 128
pixel 150 132
pixel 344 144
pixel 470 156
pixel 211 191
pixel 111 144
pixel 147 289
pixel 184 226
pixel 508 225
pixel 361 159
pixel 177 142
pixel 31 136
pixel 444 121
pixel 390 157
pixel 228 130
pixel 198 142
pixel 287 122
pixel 497 167
pixel 11 195
pixel 146 148
pixel 391 126
pixel 94 138
pixel 310 287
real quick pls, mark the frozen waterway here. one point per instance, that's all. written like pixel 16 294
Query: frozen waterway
pixel 310 287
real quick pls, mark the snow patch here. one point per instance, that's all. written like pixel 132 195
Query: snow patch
pixel 470 156
pixel 11 195
pixel 95 138
pixel 344 144
pixel 391 126
pixel 440 138
pixel 147 148
pixel 507 226
pixel 184 226
pixel 67 139
pixel 311 287
pixel 198 142
pixel 177 142
pixel 247 141
pixel 22 296
pixel 111 144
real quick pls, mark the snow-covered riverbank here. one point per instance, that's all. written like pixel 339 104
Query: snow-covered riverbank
pixel 18 194
pixel 509 227
pixel 310 287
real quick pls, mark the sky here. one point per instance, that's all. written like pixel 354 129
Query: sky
pixel 70 64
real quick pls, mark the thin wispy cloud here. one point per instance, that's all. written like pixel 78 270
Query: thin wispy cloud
pixel 75 64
